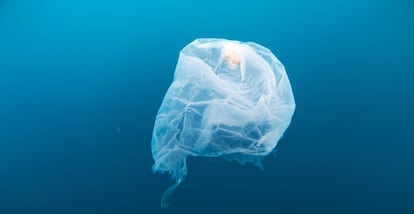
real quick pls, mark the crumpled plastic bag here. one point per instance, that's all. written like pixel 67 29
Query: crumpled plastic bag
pixel 228 98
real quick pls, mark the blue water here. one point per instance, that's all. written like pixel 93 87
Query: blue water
pixel 81 83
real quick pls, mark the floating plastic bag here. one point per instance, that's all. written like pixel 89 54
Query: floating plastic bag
pixel 229 99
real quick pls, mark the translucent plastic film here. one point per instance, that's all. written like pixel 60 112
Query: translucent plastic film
pixel 228 98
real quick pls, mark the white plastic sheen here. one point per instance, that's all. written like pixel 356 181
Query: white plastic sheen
pixel 228 98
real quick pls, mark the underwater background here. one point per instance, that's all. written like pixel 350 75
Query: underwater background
pixel 81 83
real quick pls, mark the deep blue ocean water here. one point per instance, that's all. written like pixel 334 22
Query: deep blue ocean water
pixel 81 83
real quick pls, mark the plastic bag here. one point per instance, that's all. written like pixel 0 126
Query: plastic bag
pixel 229 99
